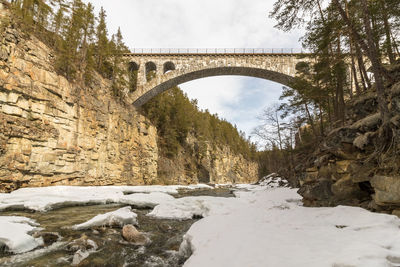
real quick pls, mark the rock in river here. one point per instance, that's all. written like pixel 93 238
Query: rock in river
pixel 131 234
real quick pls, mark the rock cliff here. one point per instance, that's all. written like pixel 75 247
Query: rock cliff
pixel 54 132
pixel 201 162
pixel 349 167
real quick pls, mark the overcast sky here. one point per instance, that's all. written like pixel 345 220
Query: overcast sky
pixel 207 24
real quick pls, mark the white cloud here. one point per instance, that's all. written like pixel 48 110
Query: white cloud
pixel 207 23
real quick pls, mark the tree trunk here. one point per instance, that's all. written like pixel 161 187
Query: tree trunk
pixel 329 112
pixel 376 66
pixel 278 127
pixel 353 66
pixel 389 47
pixel 321 120
pixel 340 83
pixel 361 66
pixel 395 46
pixel 310 120
pixel 370 51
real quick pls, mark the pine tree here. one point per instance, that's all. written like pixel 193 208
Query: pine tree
pixel 102 44
pixel 86 55
pixel 119 64
pixel 59 18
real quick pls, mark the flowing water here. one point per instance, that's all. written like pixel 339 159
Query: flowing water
pixel 166 237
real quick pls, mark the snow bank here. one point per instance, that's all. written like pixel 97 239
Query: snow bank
pixel 47 198
pixel 143 200
pixel 271 228
pixel 189 207
pixel 118 217
pixel 14 234
pixel 203 206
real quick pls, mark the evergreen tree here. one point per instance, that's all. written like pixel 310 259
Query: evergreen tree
pixel 86 55
pixel 102 45
pixel 119 64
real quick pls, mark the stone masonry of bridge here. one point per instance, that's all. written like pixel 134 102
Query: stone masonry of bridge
pixel 172 69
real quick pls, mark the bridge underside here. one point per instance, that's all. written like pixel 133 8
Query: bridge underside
pixel 154 90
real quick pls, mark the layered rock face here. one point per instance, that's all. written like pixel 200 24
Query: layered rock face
pixel 350 169
pixel 201 162
pixel 53 132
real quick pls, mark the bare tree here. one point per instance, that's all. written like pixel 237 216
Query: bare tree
pixel 271 129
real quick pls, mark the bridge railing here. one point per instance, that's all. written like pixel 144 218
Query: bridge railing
pixel 218 51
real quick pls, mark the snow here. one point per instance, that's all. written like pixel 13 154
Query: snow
pixel 143 200
pixel 118 217
pixel 269 227
pixel 15 234
pixel 47 198
pixel 273 181
pixel 189 207
pixel 264 225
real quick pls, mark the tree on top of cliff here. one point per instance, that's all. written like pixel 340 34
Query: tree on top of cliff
pixel 118 73
pixel 102 47
pixel 81 45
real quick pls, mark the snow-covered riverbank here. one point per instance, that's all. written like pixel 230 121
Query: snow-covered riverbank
pixel 262 226
pixel 271 228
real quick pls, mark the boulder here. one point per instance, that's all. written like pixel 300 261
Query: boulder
pixel 363 140
pixel 387 190
pixel 345 189
pixel 131 234
pixel 48 237
pixel 82 247
pixel 310 176
pixel 396 213
pixel 79 256
pixel 316 193
pixel 83 243
pixel 342 166
pixel 360 172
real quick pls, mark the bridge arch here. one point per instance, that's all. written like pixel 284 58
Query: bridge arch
pixel 133 66
pixel 168 66
pixel 133 69
pixel 151 70
pixel 171 79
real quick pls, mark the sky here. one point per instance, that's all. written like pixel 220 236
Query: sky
pixel 207 24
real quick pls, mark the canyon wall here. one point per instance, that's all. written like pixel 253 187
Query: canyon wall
pixel 200 161
pixel 53 132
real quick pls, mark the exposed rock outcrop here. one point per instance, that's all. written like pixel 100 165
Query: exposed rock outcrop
pixel 54 132
pixel 347 169
pixel 199 161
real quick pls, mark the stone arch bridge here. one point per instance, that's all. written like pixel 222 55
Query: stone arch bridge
pixel 176 66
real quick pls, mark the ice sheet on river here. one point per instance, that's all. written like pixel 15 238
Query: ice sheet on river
pixel 15 234
pixel 119 217
pixel 190 207
pixel 47 198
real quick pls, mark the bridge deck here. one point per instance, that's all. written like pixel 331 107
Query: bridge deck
pixel 217 51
